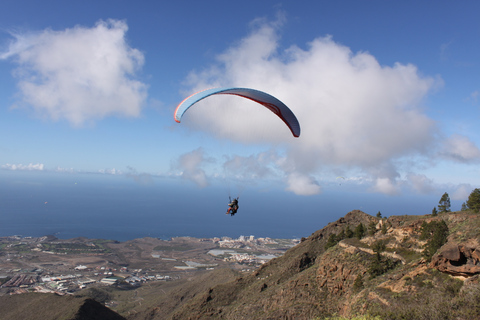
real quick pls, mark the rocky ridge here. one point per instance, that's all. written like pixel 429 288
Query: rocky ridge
pixel 347 279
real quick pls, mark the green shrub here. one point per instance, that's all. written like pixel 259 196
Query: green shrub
pixel 359 231
pixel 380 265
pixel 379 246
pixel 437 233
pixel 332 241
pixel 473 201
pixel 358 283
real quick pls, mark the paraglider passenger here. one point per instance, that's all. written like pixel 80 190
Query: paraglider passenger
pixel 233 207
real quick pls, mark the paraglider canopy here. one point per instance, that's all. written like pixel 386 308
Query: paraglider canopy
pixel 263 98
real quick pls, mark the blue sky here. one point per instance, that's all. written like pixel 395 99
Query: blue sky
pixel 387 93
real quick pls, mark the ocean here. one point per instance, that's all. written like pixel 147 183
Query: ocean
pixel 120 208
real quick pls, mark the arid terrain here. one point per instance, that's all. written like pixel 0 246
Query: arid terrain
pixel 358 267
pixel 48 264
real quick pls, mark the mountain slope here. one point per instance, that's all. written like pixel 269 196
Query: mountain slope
pixel 285 287
pixel 403 267
pixel 161 302
pixel 349 278
pixel 43 306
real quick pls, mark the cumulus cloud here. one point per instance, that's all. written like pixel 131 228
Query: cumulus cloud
pixel 28 167
pixel 421 183
pixel 191 166
pixel 302 184
pixel 386 185
pixel 251 167
pixel 461 149
pixel 354 112
pixel 462 192
pixel 79 74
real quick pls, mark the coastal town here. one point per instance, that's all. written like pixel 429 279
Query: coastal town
pixel 48 264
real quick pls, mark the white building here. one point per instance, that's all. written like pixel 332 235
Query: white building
pixel 80 267
pixel 109 281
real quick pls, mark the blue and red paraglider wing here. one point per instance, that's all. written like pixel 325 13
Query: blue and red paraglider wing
pixel 263 98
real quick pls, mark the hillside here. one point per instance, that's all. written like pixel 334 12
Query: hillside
pixel 403 267
pixel 42 306
pixel 349 278
pixel 159 301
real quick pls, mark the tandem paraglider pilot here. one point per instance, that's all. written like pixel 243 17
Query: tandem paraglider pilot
pixel 233 207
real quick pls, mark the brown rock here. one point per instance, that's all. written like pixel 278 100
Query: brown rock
pixel 451 252
pixel 458 260
pixel 476 255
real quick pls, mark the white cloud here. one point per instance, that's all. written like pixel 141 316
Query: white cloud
pixel 65 170
pixel 29 167
pixel 302 184
pixel 112 171
pixel 258 166
pixel 191 165
pixel 386 185
pixel 421 183
pixel 462 192
pixel 353 112
pixel 79 74
pixel 460 148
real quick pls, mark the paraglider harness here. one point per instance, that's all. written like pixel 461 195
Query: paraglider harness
pixel 232 206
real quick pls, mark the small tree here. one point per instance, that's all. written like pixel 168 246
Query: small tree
pixel 436 232
pixel 359 231
pixel 332 241
pixel 372 228
pixel 379 246
pixel 384 228
pixel 358 283
pixel 379 214
pixel 434 212
pixel 379 265
pixel 348 232
pixel 464 207
pixel 473 201
pixel 444 203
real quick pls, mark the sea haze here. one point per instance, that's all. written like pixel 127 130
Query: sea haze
pixel 121 208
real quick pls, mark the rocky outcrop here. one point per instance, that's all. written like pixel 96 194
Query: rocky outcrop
pixel 458 259
pixel 336 273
